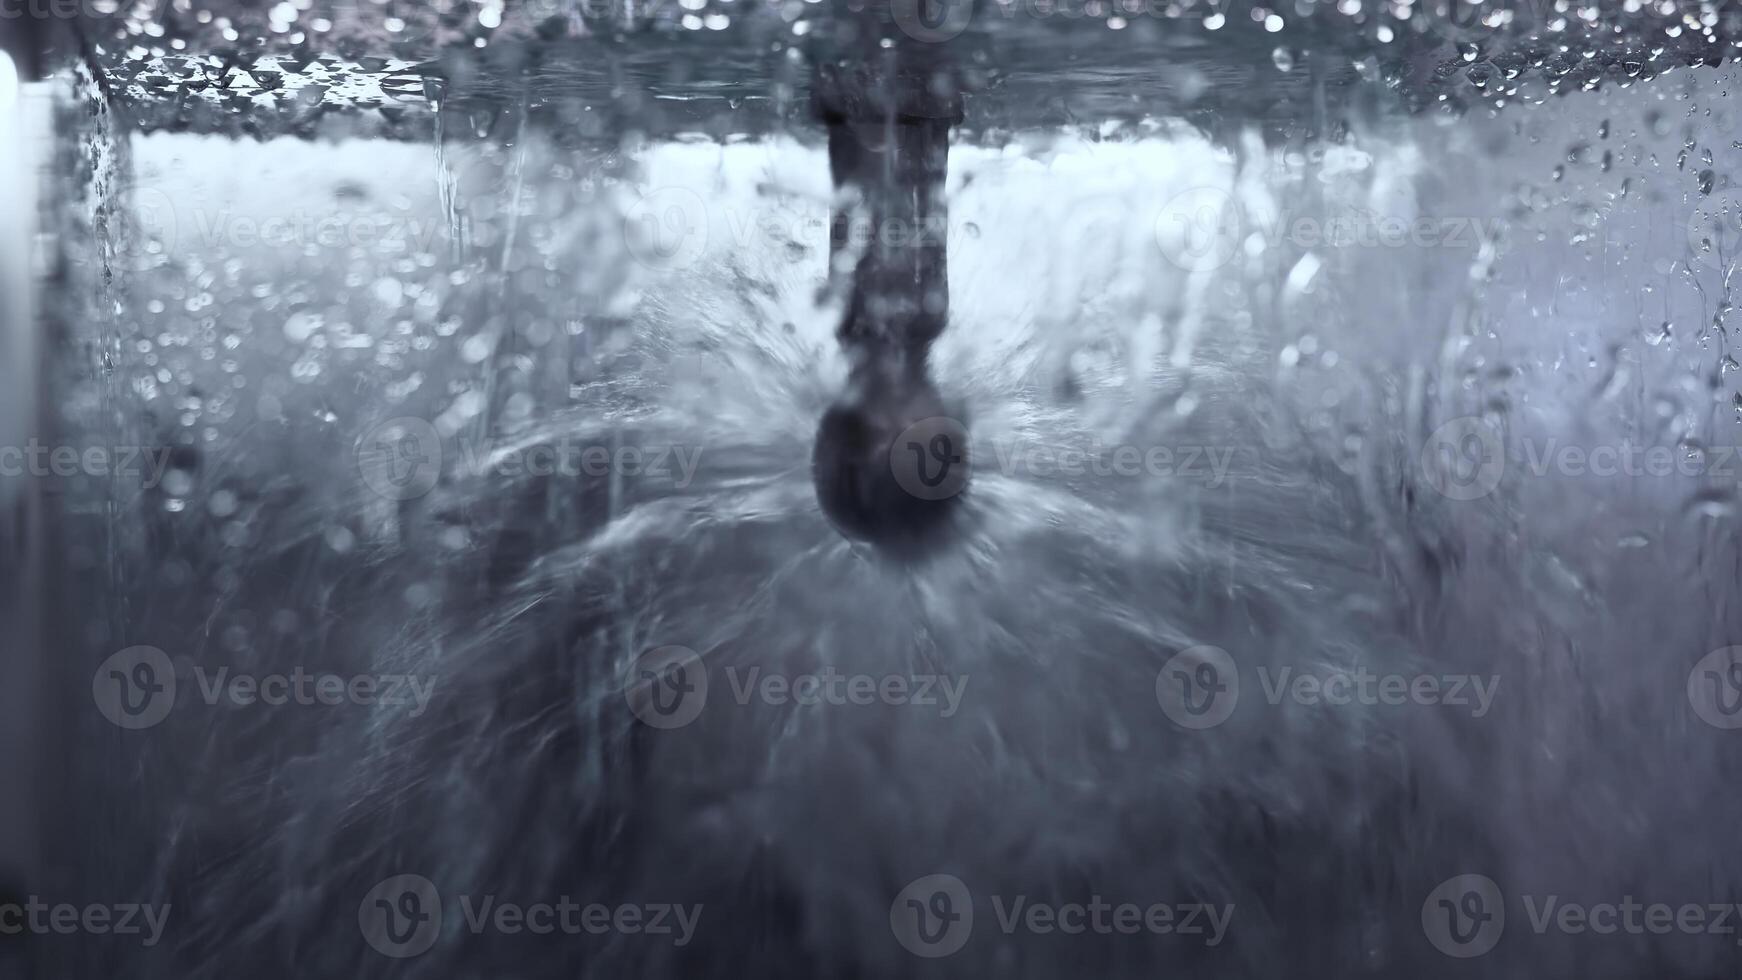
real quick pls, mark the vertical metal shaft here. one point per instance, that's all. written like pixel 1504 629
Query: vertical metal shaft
pixel 888 100
pixel 889 104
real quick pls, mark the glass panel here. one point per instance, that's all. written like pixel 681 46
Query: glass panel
pixel 886 489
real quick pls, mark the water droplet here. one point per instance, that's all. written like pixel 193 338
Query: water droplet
pixel 1713 502
pixel 222 504
pixel 340 539
pixel 178 483
pixel 476 348
pixel 301 326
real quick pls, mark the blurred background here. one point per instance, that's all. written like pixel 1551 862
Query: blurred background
pixel 405 449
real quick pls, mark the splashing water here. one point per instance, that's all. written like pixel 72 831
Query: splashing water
pixel 1257 422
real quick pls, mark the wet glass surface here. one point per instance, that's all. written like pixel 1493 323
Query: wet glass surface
pixel 1349 547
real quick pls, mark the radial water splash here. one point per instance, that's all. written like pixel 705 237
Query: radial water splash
pixel 1348 532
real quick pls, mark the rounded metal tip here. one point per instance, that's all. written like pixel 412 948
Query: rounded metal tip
pixel 890 468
